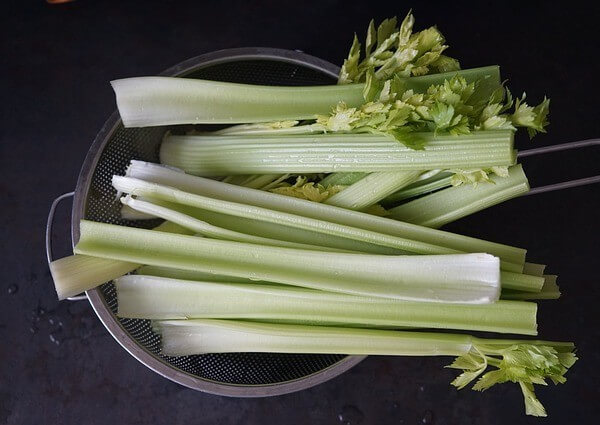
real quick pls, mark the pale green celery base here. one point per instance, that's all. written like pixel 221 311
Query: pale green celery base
pixel 326 153
pixel 447 205
pixel 207 187
pixel 158 298
pixel 79 273
pixel 440 181
pixel 372 189
pixel 75 274
pixel 466 278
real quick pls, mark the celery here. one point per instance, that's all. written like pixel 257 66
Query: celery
pixel 549 291
pixel 342 179
pixel 153 297
pixel 372 189
pixel 206 229
pixel 75 274
pixel 439 181
pixel 225 155
pixel 462 278
pixel 513 257
pixel 521 361
pixel 180 274
pixel 447 205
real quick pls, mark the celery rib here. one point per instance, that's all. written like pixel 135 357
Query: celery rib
pixel 159 298
pixel 462 278
pixel 447 205
pixel 513 258
pixel 225 155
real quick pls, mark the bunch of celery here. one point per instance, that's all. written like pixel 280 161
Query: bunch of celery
pixel 274 239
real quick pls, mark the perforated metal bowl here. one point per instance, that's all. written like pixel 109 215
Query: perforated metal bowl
pixel 243 374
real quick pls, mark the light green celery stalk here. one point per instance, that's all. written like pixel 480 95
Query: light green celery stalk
pixel 526 362
pixel 439 181
pixel 171 273
pixel 154 101
pixel 549 291
pixel 450 204
pixel 75 274
pixel 219 225
pixel 342 179
pixel 206 229
pixel 372 189
pixel 513 257
pixel 261 180
pixel 226 155
pixel 461 278
pixel 159 298
pixel 279 231
pixel 166 193
pixel 534 269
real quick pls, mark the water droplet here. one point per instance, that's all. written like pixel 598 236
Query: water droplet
pixel 421 388
pixel 33 329
pixel 13 289
pixel 51 321
pixel 427 417
pixel 55 338
pixel 350 415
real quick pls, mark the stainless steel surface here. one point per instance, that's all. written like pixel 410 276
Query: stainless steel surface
pixel 49 225
pixel 558 148
pixel 244 374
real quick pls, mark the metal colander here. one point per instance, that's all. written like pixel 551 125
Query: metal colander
pixel 235 374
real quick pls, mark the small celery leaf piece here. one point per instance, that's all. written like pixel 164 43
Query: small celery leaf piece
pixel 476 176
pixel 390 50
pixel 308 190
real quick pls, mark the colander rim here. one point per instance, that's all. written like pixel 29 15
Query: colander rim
pixel 95 296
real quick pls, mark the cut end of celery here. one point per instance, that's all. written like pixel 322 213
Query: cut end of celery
pixel 79 273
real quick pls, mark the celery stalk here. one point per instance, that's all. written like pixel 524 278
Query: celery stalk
pixel 439 181
pixel 161 298
pixel 549 291
pixel 447 205
pixel 513 258
pixel 342 179
pixel 155 191
pixel 524 362
pixel 171 273
pixel 152 101
pixel 534 269
pixel 372 189
pixel 206 229
pixel 462 278
pixel 75 274
pixel 225 155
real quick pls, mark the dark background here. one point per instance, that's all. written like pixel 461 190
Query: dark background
pixel 57 362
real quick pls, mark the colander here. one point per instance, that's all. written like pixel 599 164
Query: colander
pixel 235 374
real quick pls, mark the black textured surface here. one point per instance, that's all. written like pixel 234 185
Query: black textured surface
pixel 59 365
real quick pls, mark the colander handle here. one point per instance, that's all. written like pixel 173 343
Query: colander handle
pixel 49 225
